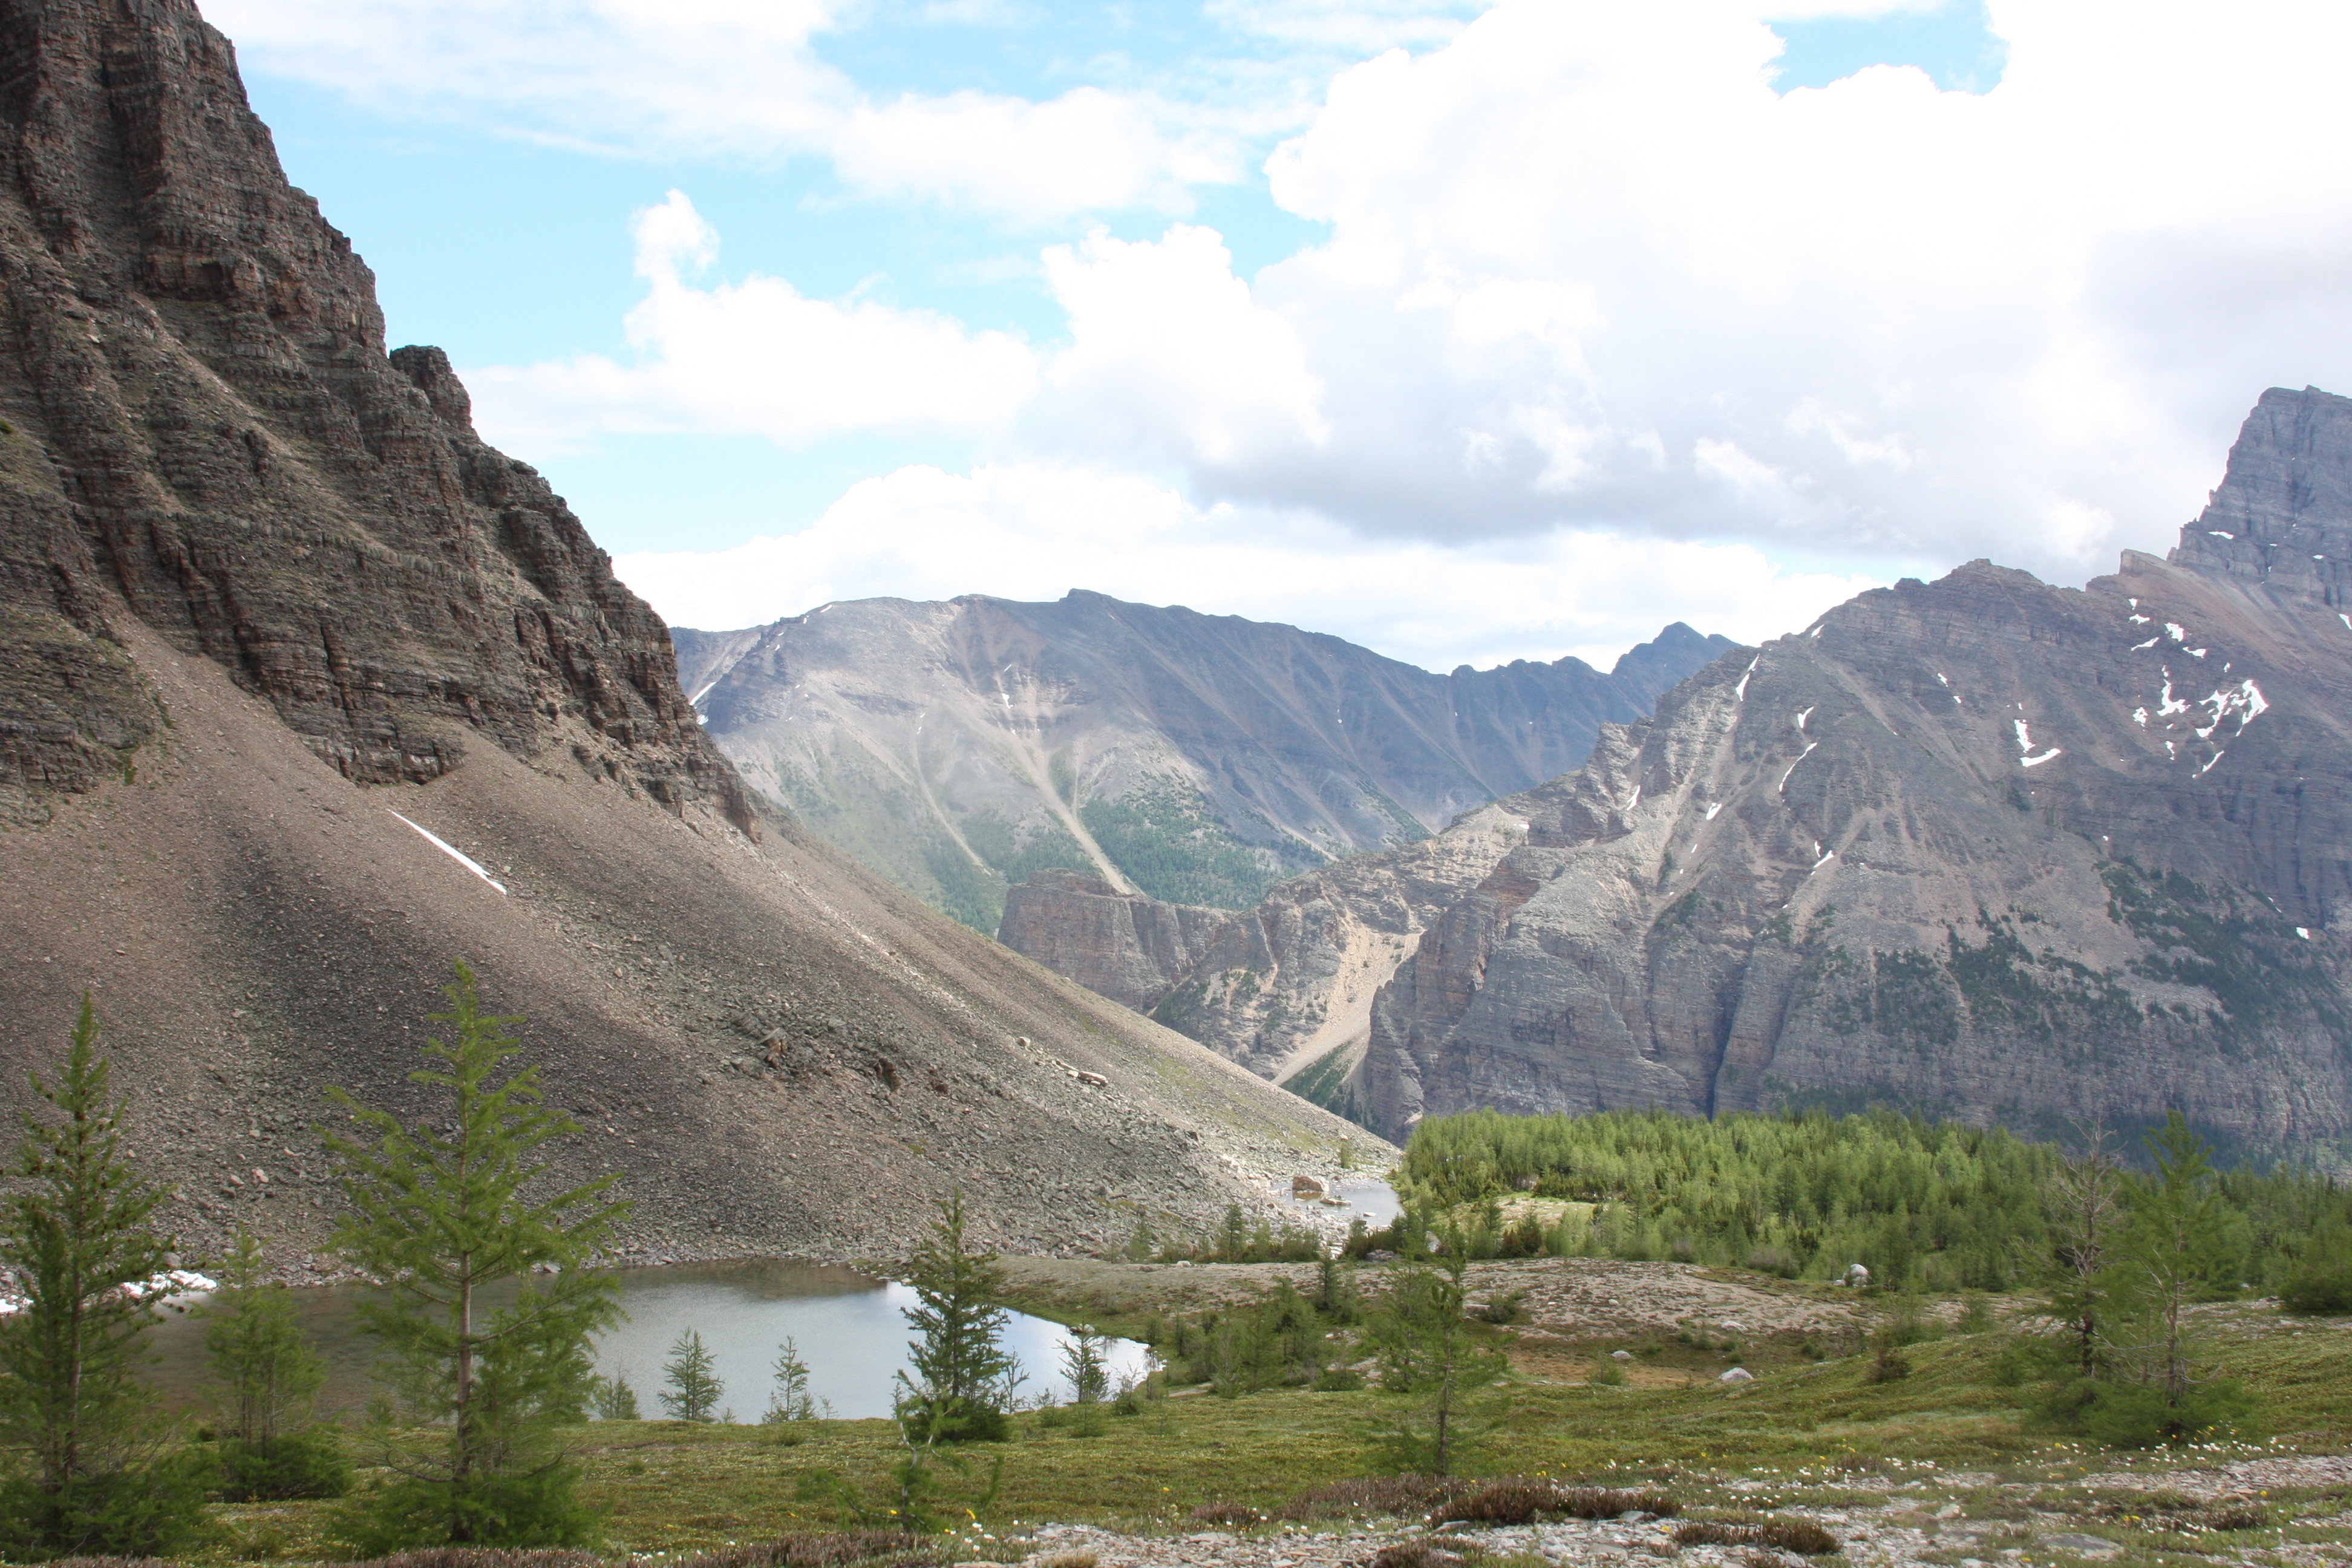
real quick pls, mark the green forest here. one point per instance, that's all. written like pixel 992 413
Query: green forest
pixel 1935 1205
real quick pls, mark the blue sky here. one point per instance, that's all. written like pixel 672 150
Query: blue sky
pixel 1379 292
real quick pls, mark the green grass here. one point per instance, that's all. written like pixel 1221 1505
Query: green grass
pixel 667 1487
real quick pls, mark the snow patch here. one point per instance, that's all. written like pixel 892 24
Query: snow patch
pixel 2025 747
pixel 2209 766
pixel 2174 631
pixel 2139 620
pixel 2197 653
pixel 2167 702
pixel 1633 800
pixel 454 853
pixel 2150 643
pixel 1803 714
pixel 1811 746
pixel 2303 931
pixel 2219 534
pixel 1739 692
pixel 2245 699
pixel 1713 809
pixel 2139 716
pixel 1941 681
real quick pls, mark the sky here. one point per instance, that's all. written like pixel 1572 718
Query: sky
pixel 1467 331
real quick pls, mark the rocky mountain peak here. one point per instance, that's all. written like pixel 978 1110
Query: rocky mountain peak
pixel 2283 515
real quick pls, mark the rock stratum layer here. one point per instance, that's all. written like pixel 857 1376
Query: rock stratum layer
pixel 270 612
pixel 958 747
pixel 1984 846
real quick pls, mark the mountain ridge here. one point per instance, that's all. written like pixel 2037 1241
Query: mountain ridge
pixel 959 745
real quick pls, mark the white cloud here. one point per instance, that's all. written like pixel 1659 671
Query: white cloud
pixel 741 78
pixel 1035 532
pixel 755 357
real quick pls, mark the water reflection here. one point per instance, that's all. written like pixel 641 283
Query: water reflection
pixel 846 1325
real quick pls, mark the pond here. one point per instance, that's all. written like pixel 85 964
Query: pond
pixel 846 1325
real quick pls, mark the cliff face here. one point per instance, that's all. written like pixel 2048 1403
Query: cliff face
pixel 268 608
pixel 204 424
pixel 1127 947
pixel 958 747
pixel 1992 848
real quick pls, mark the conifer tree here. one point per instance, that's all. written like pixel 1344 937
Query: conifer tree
pixel 963 1375
pixel 789 1400
pixel 691 1387
pixel 268 1375
pixel 78 1242
pixel 437 1219
pixel 1421 1334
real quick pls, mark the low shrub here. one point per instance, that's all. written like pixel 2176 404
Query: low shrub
pixel 814 1548
pixel 1074 1558
pixel 1504 1309
pixel 1374 1497
pixel 298 1465
pixel 1802 1536
pixel 1338 1380
pixel 1232 1515
pixel 1420 1553
pixel 2324 1290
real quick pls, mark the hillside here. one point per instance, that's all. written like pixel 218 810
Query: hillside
pixel 958 747
pixel 272 612
pixel 1986 846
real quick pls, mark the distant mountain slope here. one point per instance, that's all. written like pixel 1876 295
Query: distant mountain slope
pixel 270 611
pixel 1984 845
pixel 958 747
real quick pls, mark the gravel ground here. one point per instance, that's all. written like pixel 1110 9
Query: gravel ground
pixel 1935 1520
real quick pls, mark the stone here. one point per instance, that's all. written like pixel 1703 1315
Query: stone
pixel 1306 1187
pixel 1620 1355
pixel 1737 1374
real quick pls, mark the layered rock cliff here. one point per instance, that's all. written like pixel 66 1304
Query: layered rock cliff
pixel 1985 847
pixel 958 747
pixel 281 640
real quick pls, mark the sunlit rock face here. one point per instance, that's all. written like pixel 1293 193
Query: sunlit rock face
pixel 1983 846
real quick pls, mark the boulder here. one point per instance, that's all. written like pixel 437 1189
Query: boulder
pixel 1737 1374
pixel 1307 1187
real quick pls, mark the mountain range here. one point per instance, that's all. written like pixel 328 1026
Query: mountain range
pixel 306 692
pixel 958 747
pixel 1983 847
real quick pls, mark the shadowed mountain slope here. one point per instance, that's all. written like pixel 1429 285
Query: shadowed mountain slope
pixel 270 612
pixel 958 747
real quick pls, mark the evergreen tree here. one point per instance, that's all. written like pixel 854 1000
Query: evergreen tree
pixel 78 1242
pixel 789 1400
pixel 612 1399
pixel 962 1377
pixel 438 1216
pixel 1421 1335
pixel 2085 1212
pixel 1083 1364
pixel 269 1375
pixel 691 1388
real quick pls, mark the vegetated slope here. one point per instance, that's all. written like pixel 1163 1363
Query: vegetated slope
pixel 261 589
pixel 1985 847
pixel 958 747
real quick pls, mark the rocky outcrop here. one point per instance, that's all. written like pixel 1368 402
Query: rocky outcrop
pixel 958 747
pixel 271 614
pixel 202 423
pixel 1985 847
pixel 1127 947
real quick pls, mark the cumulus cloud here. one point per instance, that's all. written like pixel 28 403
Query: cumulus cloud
pixel 755 357
pixel 1588 268
pixel 1034 531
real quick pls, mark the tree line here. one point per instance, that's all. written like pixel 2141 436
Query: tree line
pixel 1935 1205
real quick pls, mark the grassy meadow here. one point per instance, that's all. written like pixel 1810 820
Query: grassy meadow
pixel 1807 1428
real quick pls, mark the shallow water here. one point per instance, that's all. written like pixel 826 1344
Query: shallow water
pixel 846 1325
